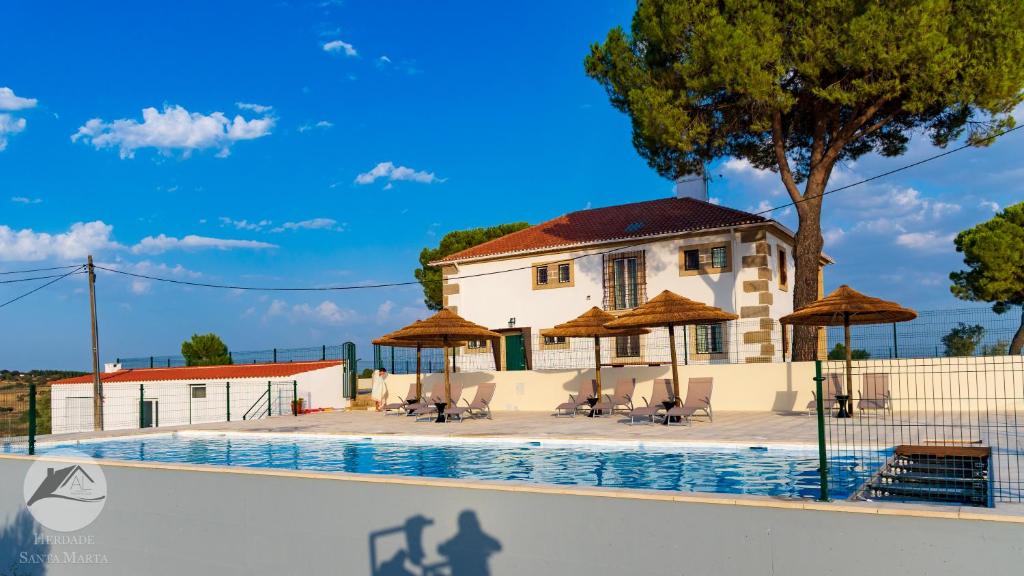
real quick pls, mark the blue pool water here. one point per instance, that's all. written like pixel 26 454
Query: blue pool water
pixel 755 470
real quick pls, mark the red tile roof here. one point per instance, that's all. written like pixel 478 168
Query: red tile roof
pixel 637 220
pixel 230 372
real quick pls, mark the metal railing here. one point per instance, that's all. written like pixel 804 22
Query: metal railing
pixel 269 356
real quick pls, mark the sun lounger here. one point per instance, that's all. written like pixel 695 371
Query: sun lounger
pixel 661 393
pixel 622 398
pixel 875 395
pixel 588 388
pixel 480 406
pixel 832 385
pixel 431 410
pixel 698 399
pixel 399 407
pixel 421 403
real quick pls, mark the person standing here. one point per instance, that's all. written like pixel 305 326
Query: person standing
pixel 379 389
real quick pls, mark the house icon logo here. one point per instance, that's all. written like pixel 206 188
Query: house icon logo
pixel 65 495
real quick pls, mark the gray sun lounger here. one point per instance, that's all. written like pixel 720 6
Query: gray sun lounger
pixel 833 385
pixel 399 407
pixel 661 393
pixel 479 407
pixel 588 389
pixel 876 395
pixel 698 399
pixel 621 399
pixel 431 409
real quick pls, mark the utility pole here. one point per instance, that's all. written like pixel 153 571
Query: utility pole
pixel 97 385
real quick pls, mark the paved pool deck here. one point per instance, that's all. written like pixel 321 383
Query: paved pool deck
pixel 754 428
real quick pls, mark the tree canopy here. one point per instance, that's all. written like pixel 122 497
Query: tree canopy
pixel 838 352
pixel 795 86
pixel 205 350
pixel 963 340
pixel 452 242
pixel 994 255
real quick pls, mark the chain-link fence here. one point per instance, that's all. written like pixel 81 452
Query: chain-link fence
pixel 945 430
pixel 14 417
pixel 269 356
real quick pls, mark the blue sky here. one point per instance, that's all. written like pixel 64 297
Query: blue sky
pixel 325 143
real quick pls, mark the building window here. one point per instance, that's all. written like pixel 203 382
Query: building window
pixel 542 275
pixel 627 346
pixel 719 257
pixel 199 391
pixel 563 274
pixel 709 338
pixel 554 340
pixel 624 277
pixel 691 259
pixel 476 344
pixel 783 269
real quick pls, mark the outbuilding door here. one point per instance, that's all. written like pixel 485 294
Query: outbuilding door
pixel 515 352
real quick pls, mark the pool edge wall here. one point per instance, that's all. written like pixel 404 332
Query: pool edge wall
pixel 167 519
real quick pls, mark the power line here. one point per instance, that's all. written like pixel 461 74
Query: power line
pixel 40 287
pixel 6 272
pixel 16 280
pixel 527 267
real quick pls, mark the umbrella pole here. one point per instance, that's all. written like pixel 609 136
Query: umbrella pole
pixel 419 364
pixel 849 361
pixel 447 381
pixel 597 360
pixel 675 367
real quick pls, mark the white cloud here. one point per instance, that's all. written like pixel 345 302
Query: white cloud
pixel 257 108
pixel 990 204
pixel 9 102
pixel 80 240
pixel 323 125
pixel 163 243
pixel 326 312
pixel 384 60
pixel 832 236
pixel 244 224
pixel 926 241
pixel 743 167
pixel 311 224
pixel 175 128
pixel 339 46
pixel 9 125
pixel 394 173
pixel 26 200
pixel 384 310
pixel 149 268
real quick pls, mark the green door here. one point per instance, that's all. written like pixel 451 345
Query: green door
pixel 515 354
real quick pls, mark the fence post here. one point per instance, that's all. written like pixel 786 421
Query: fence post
pixel 392 359
pixel 323 352
pixel 295 397
pixel 819 406
pixel 150 361
pixel 269 405
pixel 142 405
pixel 275 355
pixel 31 418
pixel 895 341
pixel 227 389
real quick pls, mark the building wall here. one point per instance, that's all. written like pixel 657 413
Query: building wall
pixel 750 288
pixel 72 410
pixel 170 519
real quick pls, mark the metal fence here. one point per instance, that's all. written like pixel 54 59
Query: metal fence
pixel 69 408
pixel 269 356
pixel 936 429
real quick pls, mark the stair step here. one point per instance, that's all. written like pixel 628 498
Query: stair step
pixel 929 492
pixel 927 478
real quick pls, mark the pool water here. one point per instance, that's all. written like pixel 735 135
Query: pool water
pixel 755 470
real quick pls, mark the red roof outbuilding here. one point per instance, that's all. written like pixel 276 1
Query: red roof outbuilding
pixel 225 373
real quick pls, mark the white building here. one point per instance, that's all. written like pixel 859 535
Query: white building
pixel 158 397
pixel 617 257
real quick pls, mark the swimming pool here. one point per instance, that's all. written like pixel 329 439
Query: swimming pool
pixel 767 471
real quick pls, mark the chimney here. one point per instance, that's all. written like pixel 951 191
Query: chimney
pixel 111 367
pixel 692 186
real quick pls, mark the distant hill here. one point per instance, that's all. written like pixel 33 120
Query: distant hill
pixel 15 377
pixel 14 400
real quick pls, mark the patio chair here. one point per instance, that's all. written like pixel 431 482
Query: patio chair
pixel 622 398
pixel 421 403
pixel 480 406
pixel 833 385
pixel 698 399
pixel 661 394
pixel 588 389
pixel 431 410
pixel 875 394
pixel 399 407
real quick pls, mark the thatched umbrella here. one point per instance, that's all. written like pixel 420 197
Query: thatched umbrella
pixel 669 309
pixel 389 340
pixel 591 324
pixel 846 307
pixel 449 329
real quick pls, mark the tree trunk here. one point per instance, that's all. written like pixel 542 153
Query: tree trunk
pixel 1017 344
pixel 807 256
